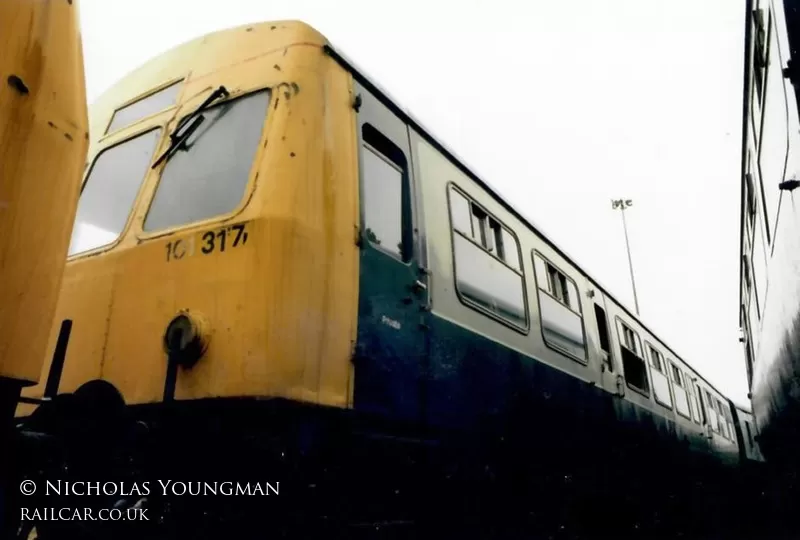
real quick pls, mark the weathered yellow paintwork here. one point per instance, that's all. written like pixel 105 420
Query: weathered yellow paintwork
pixel 43 143
pixel 282 308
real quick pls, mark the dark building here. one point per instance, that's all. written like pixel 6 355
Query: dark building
pixel 770 223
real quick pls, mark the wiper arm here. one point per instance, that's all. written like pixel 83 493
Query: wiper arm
pixel 178 138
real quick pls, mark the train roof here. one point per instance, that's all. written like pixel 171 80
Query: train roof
pixel 408 117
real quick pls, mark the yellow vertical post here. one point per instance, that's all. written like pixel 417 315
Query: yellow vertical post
pixel 43 145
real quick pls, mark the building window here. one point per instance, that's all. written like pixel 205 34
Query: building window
pixel 749 204
pixel 753 324
pixel 773 143
pixel 110 191
pixel 633 364
pixel 759 52
pixel 560 310
pixel 143 107
pixel 750 196
pixel 208 175
pixel 746 273
pixel 748 356
pixel 748 352
pixel 759 269
pixel 748 236
pixel 488 272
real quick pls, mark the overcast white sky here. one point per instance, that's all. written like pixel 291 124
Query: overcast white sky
pixel 560 105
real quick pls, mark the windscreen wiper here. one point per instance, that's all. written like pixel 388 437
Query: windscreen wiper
pixel 178 138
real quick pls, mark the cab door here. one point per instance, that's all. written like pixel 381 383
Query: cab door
pixel 390 356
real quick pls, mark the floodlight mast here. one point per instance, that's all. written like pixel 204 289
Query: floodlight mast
pixel 621 205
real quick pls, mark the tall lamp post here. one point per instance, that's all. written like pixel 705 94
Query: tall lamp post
pixel 622 204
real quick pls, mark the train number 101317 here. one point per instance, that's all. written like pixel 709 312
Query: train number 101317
pixel 224 238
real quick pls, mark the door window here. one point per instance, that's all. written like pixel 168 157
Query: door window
pixel 383 176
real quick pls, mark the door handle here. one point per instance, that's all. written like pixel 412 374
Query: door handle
pixel 418 286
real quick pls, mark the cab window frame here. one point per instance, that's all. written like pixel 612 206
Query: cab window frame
pixel 141 193
pixel 248 187
pixel 179 82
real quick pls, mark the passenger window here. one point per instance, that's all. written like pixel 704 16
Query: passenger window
pixel 460 212
pixel 632 362
pixel 208 176
pixel 696 412
pixel 655 360
pixel 481 225
pixel 508 249
pixel 676 376
pixel 488 274
pixel 602 332
pixel 630 340
pixel 155 102
pixel 487 232
pixel 686 384
pixel 559 307
pixel 723 424
pixel 110 191
pixel 727 420
pixel 699 397
pixel 661 390
pixel 712 409
pixel 557 284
